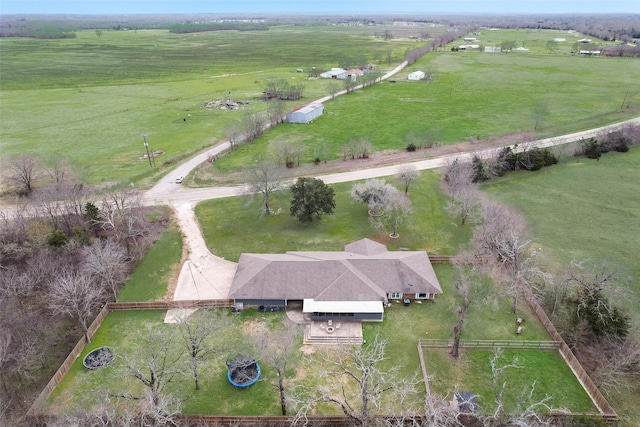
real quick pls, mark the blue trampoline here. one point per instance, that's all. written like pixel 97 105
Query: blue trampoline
pixel 243 372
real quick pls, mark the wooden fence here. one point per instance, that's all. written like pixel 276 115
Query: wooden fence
pixel 440 259
pixel 605 409
pixel 492 344
pixel 62 371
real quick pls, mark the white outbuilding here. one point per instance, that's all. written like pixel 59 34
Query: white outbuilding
pixel 306 113
pixel 416 75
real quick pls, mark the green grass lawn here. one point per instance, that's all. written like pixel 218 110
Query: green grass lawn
pixel 160 266
pixel 429 227
pixel 402 327
pixel 472 372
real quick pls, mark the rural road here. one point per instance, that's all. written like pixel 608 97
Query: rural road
pixel 206 276
pixel 168 192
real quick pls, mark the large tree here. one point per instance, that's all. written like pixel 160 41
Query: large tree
pixel 362 387
pixel 197 331
pixel 459 185
pixel 500 243
pixel 276 349
pixel 155 362
pixel 21 172
pixel 76 295
pixel 311 199
pixel 395 208
pixel 265 177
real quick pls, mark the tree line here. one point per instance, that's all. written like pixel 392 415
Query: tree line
pixel 64 251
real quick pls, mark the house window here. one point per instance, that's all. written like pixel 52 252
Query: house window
pixel 395 295
pixel 422 296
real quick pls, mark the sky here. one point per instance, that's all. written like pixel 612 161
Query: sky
pixel 100 7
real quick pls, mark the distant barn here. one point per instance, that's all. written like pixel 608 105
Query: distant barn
pixel 305 113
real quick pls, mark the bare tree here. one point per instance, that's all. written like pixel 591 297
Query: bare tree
pixel 254 125
pixel 233 132
pixel 333 87
pixel 155 363
pixel 106 262
pixel 407 175
pixel 528 411
pixel 362 387
pixel 74 294
pixel 197 332
pixel 276 349
pixel 459 185
pixel 373 192
pixel 275 112
pixel 395 208
pixel 265 178
pixel 288 152
pixel 463 288
pixel 22 172
pixel 500 243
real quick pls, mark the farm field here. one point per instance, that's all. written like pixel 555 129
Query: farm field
pixel 582 209
pixel 93 97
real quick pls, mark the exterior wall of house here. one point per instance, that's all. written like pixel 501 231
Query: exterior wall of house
pixel 264 302
pixel 362 317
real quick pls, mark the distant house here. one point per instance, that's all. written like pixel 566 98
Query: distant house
pixel 335 73
pixel 469 39
pixel 355 73
pixel 584 41
pixel 559 40
pixel 305 114
pixel 469 47
pixel 355 284
pixel 590 52
pixel 520 49
pixel 416 75
pixel 492 49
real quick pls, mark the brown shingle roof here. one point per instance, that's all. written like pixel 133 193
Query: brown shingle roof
pixel 366 271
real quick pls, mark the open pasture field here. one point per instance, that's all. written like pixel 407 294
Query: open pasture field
pixel 91 98
pixel 472 95
pixel 582 209
pixel 402 327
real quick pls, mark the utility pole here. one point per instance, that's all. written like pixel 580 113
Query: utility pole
pixel 146 147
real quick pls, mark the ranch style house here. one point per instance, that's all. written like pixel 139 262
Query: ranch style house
pixel 355 284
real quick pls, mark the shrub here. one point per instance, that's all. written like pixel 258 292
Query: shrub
pixel 57 239
pixel 411 147
pixel 592 149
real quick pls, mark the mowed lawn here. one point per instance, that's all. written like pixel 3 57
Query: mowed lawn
pixel 232 226
pixel 402 328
